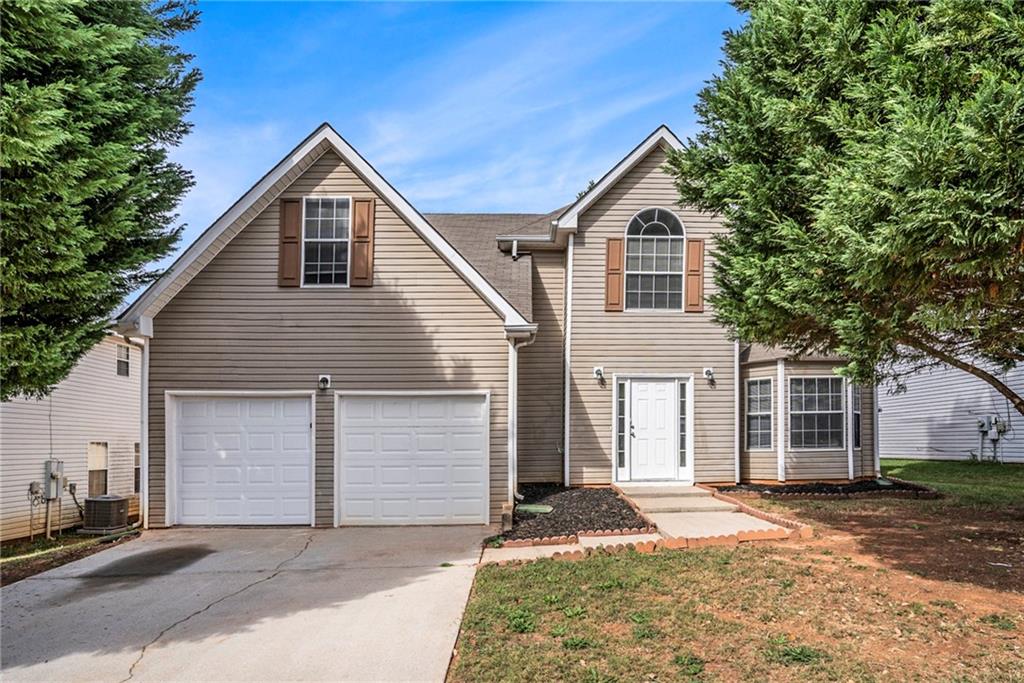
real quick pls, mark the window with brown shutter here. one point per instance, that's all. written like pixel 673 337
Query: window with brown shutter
pixel 362 243
pixel 289 253
pixel 694 276
pixel 613 285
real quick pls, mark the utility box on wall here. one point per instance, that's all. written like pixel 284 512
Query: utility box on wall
pixel 53 479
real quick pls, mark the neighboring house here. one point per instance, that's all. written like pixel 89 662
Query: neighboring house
pixel 937 417
pixel 90 422
pixel 325 354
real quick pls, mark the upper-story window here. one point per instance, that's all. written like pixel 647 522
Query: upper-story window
pixel 325 241
pixel 654 260
pixel 123 360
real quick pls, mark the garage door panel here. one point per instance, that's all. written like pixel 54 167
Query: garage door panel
pixel 413 460
pixel 243 461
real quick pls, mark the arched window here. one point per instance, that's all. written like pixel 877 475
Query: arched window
pixel 654 260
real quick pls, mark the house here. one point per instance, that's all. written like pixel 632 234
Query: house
pixel 948 414
pixel 325 354
pixel 90 422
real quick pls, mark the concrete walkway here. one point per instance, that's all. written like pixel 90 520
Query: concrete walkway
pixel 280 604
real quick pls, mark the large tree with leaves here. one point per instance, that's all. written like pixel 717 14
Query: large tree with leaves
pixel 868 158
pixel 93 96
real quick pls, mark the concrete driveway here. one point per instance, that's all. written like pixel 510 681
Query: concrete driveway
pixel 283 604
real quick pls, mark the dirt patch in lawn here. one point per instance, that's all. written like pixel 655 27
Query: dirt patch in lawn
pixel 15 569
pixel 574 510
pixel 975 546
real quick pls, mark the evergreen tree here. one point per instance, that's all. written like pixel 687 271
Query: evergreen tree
pixel 93 96
pixel 868 158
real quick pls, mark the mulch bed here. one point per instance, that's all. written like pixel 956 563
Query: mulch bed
pixel 865 488
pixel 575 510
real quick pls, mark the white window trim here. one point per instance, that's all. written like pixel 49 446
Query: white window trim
pixel 127 360
pixel 348 245
pixel 683 474
pixel 412 393
pixel 170 425
pixel 626 272
pixel 770 413
pixel 105 470
pixel 842 411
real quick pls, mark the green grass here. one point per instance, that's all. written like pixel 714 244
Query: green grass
pixel 980 484
pixel 24 549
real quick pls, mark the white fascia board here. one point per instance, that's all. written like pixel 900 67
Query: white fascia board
pixel 569 220
pixel 486 290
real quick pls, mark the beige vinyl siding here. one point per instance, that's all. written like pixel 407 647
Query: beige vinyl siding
pixel 540 375
pixel 759 464
pixel 93 403
pixel 420 327
pixel 827 464
pixel 670 342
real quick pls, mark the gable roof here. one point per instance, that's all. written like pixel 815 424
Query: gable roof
pixel 663 137
pixel 138 317
pixel 474 234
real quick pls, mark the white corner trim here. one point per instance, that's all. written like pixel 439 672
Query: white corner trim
pixel 781 445
pixel 849 429
pixel 736 407
pixel 875 431
pixel 567 359
pixel 143 305
pixel 569 219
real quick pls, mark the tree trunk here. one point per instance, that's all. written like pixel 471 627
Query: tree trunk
pixel 1011 396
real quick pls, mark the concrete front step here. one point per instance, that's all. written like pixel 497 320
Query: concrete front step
pixel 683 504
pixel 669 491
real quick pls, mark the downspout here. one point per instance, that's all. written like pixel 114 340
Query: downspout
pixel 876 434
pixel 736 407
pixel 849 430
pixel 513 417
pixel 781 445
pixel 567 359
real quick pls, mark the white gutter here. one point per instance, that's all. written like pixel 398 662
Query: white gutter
pixel 736 407
pixel 849 430
pixel 567 359
pixel 144 439
pixel 781 445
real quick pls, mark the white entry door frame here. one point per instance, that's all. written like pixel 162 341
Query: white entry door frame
pixel 652 427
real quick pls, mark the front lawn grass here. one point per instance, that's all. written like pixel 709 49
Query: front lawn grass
pixel 756 612
pixel 982 484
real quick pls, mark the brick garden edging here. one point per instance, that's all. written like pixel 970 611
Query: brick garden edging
pixel 796 529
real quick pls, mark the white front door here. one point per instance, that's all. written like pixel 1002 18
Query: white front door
pixel 653 430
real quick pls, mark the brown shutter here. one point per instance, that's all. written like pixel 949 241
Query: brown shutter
pixel 362 243
pixel 613 284
pixel 694 276
pixel 289 253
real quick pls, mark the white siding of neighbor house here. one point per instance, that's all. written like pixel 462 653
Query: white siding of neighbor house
pixel 93 403
pixel 936 418
pixel 420 327
pixel 540 375
pixel 668 342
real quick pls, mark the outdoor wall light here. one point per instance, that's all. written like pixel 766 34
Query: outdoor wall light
pixel 599 375
pixel 324 382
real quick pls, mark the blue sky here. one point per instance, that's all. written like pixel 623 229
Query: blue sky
pixel 463 107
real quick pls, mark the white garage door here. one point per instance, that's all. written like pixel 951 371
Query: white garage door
pixel 242 460
pixel 413 459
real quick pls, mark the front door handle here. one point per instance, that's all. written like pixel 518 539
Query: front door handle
pixel 632 432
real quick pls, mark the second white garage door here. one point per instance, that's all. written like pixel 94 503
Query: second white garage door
pixel 408 459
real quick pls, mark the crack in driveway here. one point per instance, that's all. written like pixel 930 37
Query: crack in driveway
pixel 276 571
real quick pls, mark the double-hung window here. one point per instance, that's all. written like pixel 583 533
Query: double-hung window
pixel 96 459
pixel 123 360
pixel 138 468
pixel 654 261
pixel 759 414
pixel 325 240
pixel 816 414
